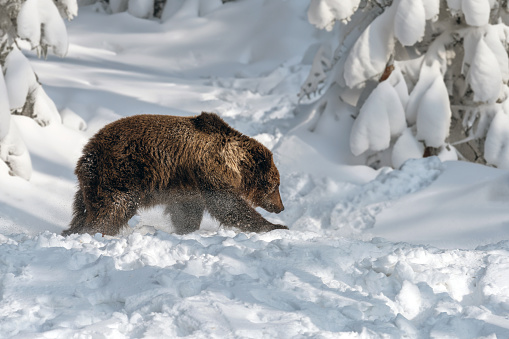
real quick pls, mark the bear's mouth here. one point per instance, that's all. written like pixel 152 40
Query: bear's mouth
pixel 274 209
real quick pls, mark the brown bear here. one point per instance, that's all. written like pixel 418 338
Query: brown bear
pixel 188 164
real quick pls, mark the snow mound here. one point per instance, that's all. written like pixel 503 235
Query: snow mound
pixel 368 56
pixel 19 78
pixel 485 76
pixel 448 212
pixel 406 147
pixel 410 22
pixel 496 147
pixel 40 23
pixel 324 13
pixel 381 117
pixel 431 8
pixel 477 12
pixel 434 115
pixel 277 285
pixel 360 207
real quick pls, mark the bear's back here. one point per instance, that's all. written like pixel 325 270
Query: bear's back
pixel 155 146
pixel 162 127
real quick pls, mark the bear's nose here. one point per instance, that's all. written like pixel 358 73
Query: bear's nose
pixel 277 208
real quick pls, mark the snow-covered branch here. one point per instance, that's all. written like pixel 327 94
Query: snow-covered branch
pixel 448 53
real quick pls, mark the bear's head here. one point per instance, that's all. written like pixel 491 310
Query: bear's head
pixel 262 181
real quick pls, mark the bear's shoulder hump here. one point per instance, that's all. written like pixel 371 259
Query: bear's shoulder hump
pixel 212 123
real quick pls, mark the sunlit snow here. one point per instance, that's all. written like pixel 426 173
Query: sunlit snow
pixel 421 251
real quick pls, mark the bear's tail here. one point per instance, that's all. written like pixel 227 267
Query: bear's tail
pixel 79 215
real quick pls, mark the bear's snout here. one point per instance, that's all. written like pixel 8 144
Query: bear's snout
pixel 279 209
pixel 273 203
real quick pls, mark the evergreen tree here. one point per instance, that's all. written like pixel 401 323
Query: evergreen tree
pixel 40 23
pixel 425 77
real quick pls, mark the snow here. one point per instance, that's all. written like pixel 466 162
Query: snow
pixel 207 6
pixel 69 7
pixel 431 8
pixel 381 117
pixel 321 64
pixel 477 12
pixel 45 111
pixel 398 83
pixel 21 83
pixel 427 76
pixel 406 147
pixel 395 110
pixel 484 76
pixel 40 23
pixel 117 6
pixel 442 219
pixel 14 152
pixel 496 147
pixel 141 8
pixel 170 9
pixel 5 112
pixel 72 120
pixel 410 21
pixel 419 251
pixel 454 6
pixel 371 129
pixel 19 78
pixel 494 41
pixel 236 285
pixel 188 9
pixel 324 13
pixel 434 115
pixel 370 53
pixel 409 298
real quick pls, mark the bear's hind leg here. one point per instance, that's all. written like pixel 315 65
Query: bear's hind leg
pixel 78 223
pixel 186 215
pixel 111 212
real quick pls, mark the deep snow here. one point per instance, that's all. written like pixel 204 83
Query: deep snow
pixel 422 251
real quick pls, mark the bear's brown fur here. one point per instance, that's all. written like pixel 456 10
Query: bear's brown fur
pixel 188 164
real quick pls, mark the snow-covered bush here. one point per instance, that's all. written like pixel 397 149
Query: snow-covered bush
pixel 426 77
pixel 40 23
pixel 163 9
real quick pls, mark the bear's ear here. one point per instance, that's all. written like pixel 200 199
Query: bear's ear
pixel 212 123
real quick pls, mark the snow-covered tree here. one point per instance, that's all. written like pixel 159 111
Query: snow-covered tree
pixel 426 77
pixel 40 23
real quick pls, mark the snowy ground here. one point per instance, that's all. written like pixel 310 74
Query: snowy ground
pixel 418 252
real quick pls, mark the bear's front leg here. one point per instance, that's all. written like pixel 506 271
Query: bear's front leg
pixel 186 214
pixel 232 211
